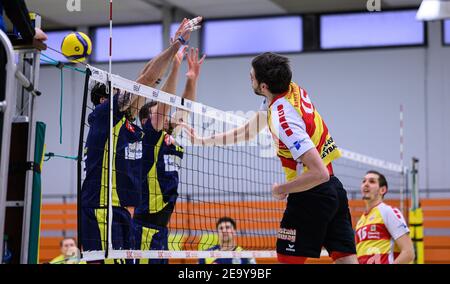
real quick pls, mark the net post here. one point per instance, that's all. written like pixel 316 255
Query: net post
pixel 416 216
pixel 415 184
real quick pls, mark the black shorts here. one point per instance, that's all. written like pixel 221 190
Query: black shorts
pixel 317 218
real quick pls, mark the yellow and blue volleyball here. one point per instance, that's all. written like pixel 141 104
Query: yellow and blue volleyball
pixel 76 46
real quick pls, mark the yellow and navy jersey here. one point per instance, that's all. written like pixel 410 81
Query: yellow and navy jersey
pixel 376 232
pixel 126 174
pixel 61 259
pixel 226 260
pixel 297 127
pixel 161 162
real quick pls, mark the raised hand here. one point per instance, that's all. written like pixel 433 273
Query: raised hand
pixel 179 30
pixel 194 63
pixel 186 28
pixel 191 134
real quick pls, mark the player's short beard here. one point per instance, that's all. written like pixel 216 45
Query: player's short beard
pixel 258 92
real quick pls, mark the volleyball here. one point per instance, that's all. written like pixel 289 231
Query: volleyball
pixel 76 46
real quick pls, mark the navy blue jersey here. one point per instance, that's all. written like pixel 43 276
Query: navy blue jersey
pixel 226 260
pixel 126 176
pixel 161 161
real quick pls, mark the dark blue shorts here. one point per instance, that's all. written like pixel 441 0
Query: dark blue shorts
pixel 150 237
pixel 94 230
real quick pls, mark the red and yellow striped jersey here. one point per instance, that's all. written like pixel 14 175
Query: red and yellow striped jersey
pixel 296 127
pixel 376 232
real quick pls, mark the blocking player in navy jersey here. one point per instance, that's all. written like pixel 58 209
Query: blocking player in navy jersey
pixel 226 229
pixel 125 183
pixel 127 153
pixel 161 162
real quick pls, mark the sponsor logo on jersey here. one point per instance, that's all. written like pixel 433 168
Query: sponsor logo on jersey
pixel 291 247
pixel 129 126
pixel 373 235
pixel 402 226
pixel 172 163
pixel 328 147
pixel 298 144
pixel 287 234
pixel 283 122
pixel 133 151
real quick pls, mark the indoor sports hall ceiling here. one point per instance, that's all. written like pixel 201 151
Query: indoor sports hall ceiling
pixel 95 12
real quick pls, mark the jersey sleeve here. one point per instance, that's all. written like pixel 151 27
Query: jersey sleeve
pixel 290 128
pixel 395 223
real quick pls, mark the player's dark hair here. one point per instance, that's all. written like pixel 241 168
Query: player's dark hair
pixel 381 178
pixel 226 219
pixel 98 92
pixel 274 70
pixel 144 112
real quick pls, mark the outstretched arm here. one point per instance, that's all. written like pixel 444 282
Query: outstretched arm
pixel 155 68
pixel 170 86
pixel 183 31
pixel 246 132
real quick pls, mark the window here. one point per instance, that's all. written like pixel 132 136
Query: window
pixel 251 36
pixel 137 42
pixel 173 28
pixel 396 28
pixel 446 32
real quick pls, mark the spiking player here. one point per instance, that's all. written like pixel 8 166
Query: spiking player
pixel 317 212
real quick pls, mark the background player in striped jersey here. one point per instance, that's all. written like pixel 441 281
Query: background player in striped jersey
pixel 161 161
pixel 317 212
pixel 382 235
pixel 226 229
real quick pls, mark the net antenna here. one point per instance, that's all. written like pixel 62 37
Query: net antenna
pixel 109 91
